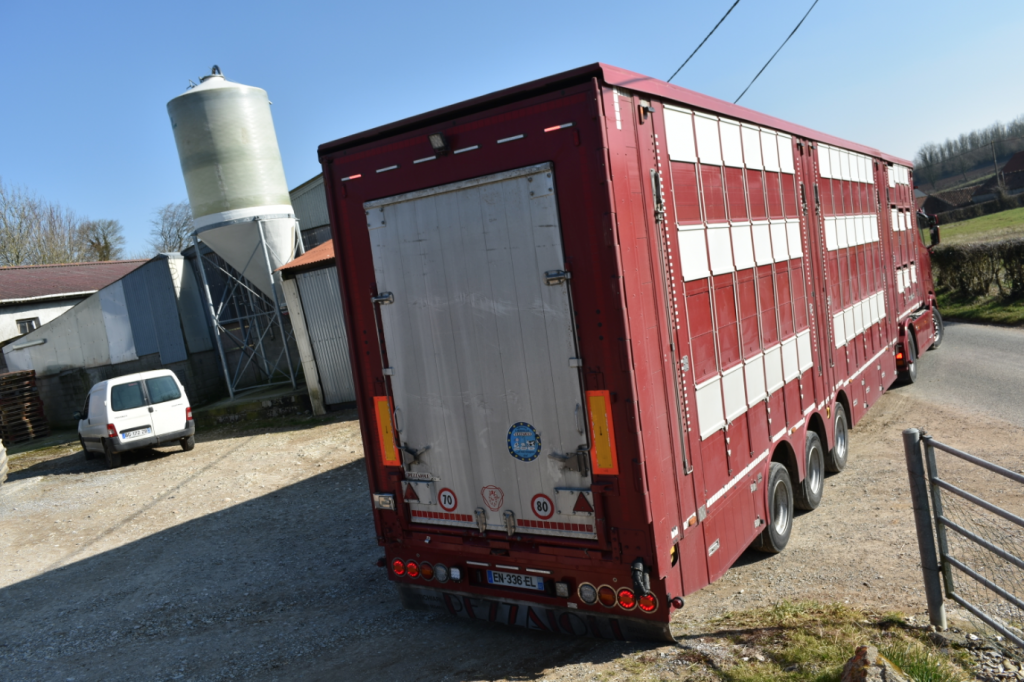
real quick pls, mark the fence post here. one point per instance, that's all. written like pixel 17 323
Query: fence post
pixel 923 522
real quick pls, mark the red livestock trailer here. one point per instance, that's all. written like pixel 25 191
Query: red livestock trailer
pixel 606 333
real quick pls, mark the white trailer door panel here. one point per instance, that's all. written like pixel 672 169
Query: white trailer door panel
pixel 482 354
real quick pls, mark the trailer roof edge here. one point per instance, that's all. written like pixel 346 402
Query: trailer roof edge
pixel 614 76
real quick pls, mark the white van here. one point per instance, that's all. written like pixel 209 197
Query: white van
pixel 135 411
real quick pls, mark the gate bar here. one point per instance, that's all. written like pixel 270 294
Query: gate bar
pixel 923 523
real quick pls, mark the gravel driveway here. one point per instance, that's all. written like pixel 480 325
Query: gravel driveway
pixel 253 557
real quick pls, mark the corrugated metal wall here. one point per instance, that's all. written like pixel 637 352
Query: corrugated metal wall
pixel 321 305
pixel 310 203
pixel 153 311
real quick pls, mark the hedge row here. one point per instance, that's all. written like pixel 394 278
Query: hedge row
pixel 972 270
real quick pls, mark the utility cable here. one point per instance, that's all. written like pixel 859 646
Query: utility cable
pixel 703 41
pixel 773 56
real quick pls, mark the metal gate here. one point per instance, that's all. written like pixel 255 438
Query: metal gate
pixel 484 371
pixel 321 306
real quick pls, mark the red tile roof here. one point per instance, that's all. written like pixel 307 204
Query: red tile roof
pixel 1015 164
pixel 320 254
pixel 46 281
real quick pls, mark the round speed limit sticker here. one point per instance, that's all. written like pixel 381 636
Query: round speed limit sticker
pixel 447 499
pixel 543 508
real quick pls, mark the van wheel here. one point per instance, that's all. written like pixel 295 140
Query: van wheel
pixel 807 495
pixel 775 537
pixel 840 452
pixel 940 328
pixel 188 443
pixel 909 375
pixel 88 455
pixel 113 456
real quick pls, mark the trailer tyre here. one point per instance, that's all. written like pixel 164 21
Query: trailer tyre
pixel 840 452
pixel 775 536
pixel 807 494
pixel 909 375
pixel 88 455
pixel 113 457
pixel 940 328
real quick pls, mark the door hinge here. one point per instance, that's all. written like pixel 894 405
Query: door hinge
pixel 385 298
pixel 481 519
pixel 510 522
pixel 659 196
pixel 553 277
pixel 574 461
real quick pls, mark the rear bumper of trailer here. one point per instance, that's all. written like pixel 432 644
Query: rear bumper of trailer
pixel 533 616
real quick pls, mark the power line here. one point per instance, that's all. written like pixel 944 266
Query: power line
pixel 703 41
pixel 773 56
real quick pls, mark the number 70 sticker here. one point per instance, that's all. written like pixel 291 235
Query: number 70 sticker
pixel 446 498
pixel 543 507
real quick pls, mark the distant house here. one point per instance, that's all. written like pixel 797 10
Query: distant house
pixel 946 200
pixel 32 295
pixel 1011 175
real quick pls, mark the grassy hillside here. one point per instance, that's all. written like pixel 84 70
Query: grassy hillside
pixel 987 228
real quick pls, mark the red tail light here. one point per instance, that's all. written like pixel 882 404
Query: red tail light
pixel 606 596
pixel 398 566
pixel 111 431
pixel 648 603
pixel 627 599
pixel 188 414
pixel 413 569
pixel 427 571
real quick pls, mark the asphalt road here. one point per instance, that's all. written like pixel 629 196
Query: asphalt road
pixel 977 368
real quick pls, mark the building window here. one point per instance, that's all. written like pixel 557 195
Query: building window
pixel 26 326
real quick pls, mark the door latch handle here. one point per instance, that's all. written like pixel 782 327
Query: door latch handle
pixel 386 298
pixel 553 277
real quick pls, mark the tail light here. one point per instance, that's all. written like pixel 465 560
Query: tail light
pixel 413 569
pixel 441 571
pixel 111 430
pixel 588 593
pixel 627 599
pixel 427 571
pixel 398 566
pixel 606 595
pixel 188 414
pixel 648 603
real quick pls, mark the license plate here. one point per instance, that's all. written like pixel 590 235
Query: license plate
pixel 136 433
pixel 525 582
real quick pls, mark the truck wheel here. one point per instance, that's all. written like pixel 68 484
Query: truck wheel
pixel 940 328
pixel 188 443
pixel 88 455
pixel 840 452
pixel 807 494
pixel 775 536
pixel 909 375
pixel 113 456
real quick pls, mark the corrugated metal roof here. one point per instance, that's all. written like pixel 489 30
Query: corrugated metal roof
pixel 310 203
pixel 321 254
pixel 45 281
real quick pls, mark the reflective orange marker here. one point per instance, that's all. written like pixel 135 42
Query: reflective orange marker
pixel 602 433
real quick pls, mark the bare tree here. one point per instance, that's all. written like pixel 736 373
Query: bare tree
pixel 58 237
pixel 19 216
pixel 172 228
pixel 104 239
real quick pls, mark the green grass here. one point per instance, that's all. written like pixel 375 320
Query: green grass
pixel 984 310
pixel 986 228
pixel 811 642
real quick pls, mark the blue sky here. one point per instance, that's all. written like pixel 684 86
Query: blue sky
pixel 84 121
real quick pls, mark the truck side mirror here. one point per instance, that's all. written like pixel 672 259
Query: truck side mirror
pixel 77 416
pixel 935 234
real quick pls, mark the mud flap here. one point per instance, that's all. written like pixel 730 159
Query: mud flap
pixel 533 616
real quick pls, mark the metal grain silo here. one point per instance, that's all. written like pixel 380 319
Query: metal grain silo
pixel 234 177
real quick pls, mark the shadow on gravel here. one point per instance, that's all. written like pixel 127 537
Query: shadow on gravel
pixel 284 586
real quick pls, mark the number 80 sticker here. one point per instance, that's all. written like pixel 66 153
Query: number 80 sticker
pixel 543 508
pixel 447 499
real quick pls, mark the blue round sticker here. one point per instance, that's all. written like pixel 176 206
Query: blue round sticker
pixel 523 442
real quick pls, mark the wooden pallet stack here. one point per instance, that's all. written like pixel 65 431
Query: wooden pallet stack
pixel 21 408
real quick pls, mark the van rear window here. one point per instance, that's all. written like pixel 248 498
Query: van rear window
pixel 162 389
pixel 126 396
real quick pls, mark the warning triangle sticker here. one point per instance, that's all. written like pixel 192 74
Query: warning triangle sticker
pixel 582 505
pixel 410 493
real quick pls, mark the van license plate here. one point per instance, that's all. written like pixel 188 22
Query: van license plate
pixel 136 433
pixel 526 582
